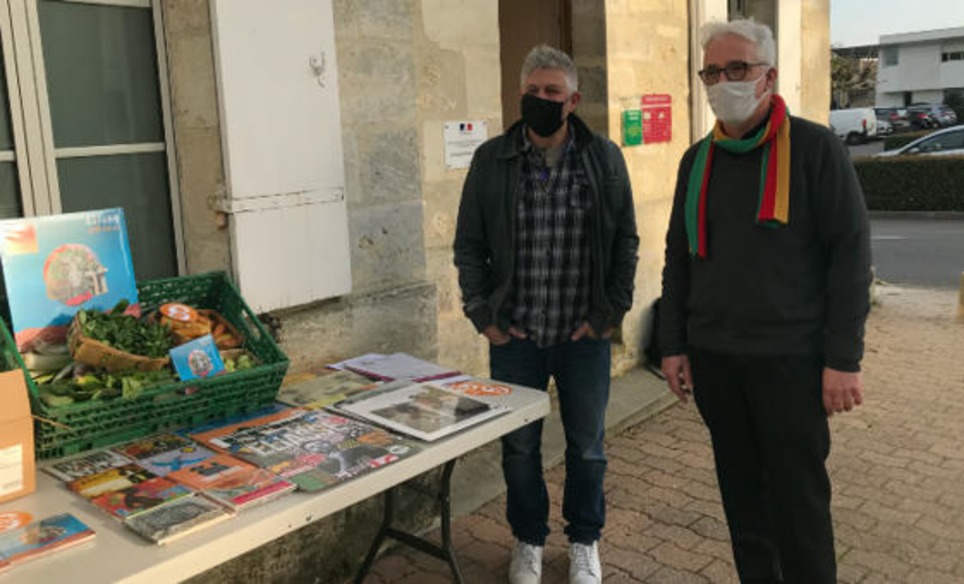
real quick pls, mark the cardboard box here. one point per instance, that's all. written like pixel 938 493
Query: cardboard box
pixel 17 469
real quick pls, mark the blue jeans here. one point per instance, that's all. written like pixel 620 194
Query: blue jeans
pixel 581 370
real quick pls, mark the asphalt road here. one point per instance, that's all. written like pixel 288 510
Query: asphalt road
pixel 919 252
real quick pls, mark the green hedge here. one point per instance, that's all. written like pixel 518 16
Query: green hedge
pixel 897 140
pixel 912 183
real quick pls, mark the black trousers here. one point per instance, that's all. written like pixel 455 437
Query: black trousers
pixel 770 442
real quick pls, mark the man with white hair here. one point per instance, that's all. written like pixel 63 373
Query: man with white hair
pixel 765 295
pixel 546 249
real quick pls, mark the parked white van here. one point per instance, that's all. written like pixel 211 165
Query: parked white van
pixel 854 126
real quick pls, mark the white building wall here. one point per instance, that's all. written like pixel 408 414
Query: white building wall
pixel 952 75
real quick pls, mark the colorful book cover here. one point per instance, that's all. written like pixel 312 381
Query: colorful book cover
pixel 232 482
pixel 197 359
pixel 110 480
pixel 152 446
pixel 170 521
pixel 315 449
pixel 43 537
pixel 58 264
pixel 172 460
pixel 86 464
pixel 325 389
pixel 140 497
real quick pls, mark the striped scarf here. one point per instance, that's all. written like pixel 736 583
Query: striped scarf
pixel 773 207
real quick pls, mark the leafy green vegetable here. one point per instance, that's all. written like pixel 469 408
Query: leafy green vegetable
pixel 126 333
pixel 102 385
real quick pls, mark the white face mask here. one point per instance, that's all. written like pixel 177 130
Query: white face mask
pixel 734 102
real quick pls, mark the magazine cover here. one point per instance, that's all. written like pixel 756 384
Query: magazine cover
pixel 140 497
pixel 325 389
pixel 112 479
pixel 152 446
pixel 58 264
pixel 86 464
pixel 172 460
pixel 233 483
pixel 43 537
pixel 209 437
pixel 315 449
pixel 171 521
pixel 422 410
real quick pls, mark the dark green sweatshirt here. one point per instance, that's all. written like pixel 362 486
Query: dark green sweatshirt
pixel 800 288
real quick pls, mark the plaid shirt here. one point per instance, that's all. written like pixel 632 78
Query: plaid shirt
pixel 551 286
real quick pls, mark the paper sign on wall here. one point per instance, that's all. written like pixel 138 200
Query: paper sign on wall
pixel 461 140
pixel 632 127
pixel 657 117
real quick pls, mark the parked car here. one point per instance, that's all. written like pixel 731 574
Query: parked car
pixel 855 125
pixel 884 128
pixel 940 114
pixel 896 117
pixel 946 142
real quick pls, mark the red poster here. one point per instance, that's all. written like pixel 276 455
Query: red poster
pixel 657 117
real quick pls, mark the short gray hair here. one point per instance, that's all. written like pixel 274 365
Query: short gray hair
pixel 758 34
pixel 546 57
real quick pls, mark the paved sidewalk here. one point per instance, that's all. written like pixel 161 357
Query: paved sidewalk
pixel 897 466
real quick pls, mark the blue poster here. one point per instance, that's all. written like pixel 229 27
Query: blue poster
pixel 58 264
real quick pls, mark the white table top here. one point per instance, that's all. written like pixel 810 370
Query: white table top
pixel 119 555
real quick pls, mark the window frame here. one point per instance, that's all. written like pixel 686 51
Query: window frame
pixel 34 152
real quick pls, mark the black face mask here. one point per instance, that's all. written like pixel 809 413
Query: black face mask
pixel 544 116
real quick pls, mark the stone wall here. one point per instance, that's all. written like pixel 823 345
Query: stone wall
pixel 197 135
pixel 647 51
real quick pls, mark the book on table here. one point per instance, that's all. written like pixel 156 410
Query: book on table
pixel 233 483
pixel 140 497
pixel 325 389
pixel 85 464
pixel 110 480
pixel 176 519
pixel 43 537
pixel 423 410
pixel 314 449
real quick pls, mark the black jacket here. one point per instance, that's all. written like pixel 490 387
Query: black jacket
pixel 801 288
pixel 485 234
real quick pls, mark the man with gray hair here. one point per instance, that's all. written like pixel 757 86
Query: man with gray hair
pixel 765 295
pixel 545 248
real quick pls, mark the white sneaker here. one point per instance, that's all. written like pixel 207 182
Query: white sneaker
pixel 584 565
pixel 526 566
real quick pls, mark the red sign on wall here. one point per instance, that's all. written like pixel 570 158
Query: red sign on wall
pixel 657 117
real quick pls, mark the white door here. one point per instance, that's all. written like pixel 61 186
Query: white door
pixel 281 134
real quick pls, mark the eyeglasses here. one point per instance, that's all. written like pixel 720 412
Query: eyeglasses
pixel 735 71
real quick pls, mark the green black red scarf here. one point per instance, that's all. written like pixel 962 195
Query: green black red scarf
pixel 773 207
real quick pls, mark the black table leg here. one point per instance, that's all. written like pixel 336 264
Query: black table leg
pixel 444 552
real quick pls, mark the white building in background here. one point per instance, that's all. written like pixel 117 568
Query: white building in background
pixel 920 67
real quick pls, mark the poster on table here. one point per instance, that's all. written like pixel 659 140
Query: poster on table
pixel 55 265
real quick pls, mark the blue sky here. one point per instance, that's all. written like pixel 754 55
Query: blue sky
pixel 861 22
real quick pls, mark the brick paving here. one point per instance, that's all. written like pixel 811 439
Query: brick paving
pixel 897 465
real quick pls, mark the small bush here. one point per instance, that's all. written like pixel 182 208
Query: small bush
pixel 912 183
pixel 897 140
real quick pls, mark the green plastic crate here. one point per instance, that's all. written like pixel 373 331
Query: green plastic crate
pixel 82 426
